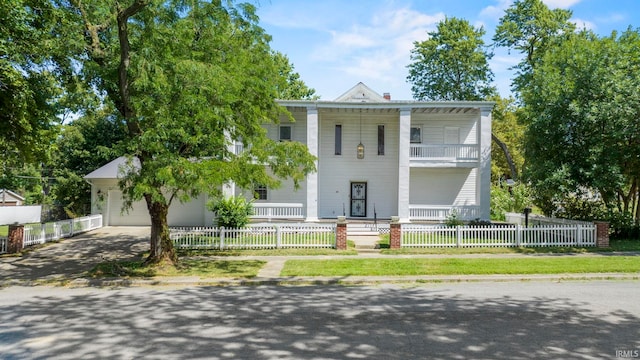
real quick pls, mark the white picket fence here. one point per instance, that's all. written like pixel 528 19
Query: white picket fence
pixel 414 235
pixel 255 237
pixel 535 219
pixel 42 233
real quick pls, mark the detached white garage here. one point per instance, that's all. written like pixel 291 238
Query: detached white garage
pixel 106 199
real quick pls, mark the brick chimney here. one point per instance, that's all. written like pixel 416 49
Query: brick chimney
pixel 387 96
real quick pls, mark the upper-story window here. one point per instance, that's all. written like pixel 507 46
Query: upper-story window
pixel 260 192
pixel 416 135
pixel 380 139
pixel 338 136
pixel 285 133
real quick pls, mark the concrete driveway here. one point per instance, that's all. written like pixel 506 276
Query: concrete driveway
pixel 70 258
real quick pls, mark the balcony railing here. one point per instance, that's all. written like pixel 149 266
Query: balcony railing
pixel 458 152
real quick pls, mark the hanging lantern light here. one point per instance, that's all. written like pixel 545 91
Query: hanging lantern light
pixel 360 147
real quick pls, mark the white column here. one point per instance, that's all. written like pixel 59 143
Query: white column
pixel 403 165
pixel 229 188
pixel 312 179
pixel 483 182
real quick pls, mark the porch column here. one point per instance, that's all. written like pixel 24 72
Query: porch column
pixel 403 165
pixel 312 179
pixel 229 188
pixel 483 185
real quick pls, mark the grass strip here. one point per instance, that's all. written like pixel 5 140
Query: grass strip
pixel 459 266
pixel 200 268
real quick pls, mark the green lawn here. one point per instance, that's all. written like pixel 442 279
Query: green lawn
pixel 460 266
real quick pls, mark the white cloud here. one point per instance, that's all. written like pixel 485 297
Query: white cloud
pixel 583 24
pixel 495 12
pixel 562 4
pixel 378 47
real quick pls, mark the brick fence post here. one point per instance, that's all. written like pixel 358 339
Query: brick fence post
pixel 602 234
pixel 15 240
pixel 395 233
pixel 341 233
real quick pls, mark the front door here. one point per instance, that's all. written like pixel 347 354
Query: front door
pixel 358 199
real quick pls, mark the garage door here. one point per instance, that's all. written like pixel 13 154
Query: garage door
pixel 138 215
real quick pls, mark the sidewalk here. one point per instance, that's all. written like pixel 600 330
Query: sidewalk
pixel 68 261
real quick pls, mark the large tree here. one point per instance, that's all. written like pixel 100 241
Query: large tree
pixel 188 79
pixel 452 64
pixel 583 106
pixel 30 81
pixel 530 27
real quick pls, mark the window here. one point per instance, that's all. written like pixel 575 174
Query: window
pixel 416 135
pixel 285 133
pixel 260 192
pixel 380 139
pixel 338 134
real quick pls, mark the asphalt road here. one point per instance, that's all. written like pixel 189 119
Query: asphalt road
pixel 512 320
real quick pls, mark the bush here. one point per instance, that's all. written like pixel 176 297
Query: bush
pixel 504 200
pixel 232 212
pixel 453 220
pixel 478 223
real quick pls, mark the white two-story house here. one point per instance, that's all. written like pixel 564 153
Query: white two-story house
pixel 376 158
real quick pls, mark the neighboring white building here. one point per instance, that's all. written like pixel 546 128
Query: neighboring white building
pixel 10 198
pixel 376 158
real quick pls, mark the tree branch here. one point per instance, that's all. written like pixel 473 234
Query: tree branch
pixel 126 109
pixel 507 154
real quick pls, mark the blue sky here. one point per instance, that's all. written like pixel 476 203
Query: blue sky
pixel 334 44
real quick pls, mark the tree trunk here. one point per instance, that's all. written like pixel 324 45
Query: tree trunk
pixel 161 246
pixel 507 155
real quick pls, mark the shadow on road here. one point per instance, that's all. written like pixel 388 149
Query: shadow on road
pixel 308 322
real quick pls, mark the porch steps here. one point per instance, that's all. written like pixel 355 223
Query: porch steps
pixel 362 229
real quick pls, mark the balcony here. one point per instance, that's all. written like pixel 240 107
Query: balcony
pixel 447 155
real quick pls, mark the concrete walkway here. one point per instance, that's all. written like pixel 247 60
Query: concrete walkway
pixel 68 261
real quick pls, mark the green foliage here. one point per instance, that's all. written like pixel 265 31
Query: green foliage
pixel 232 212
pixel 582 113
pixel 453 220
pixel 452 64
pixel 505 125
pixel 504 200
pixel 295 88
pixel 530 27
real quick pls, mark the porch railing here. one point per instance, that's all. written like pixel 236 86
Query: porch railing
pixel 270 211
pixel 445 152
pixel 441 213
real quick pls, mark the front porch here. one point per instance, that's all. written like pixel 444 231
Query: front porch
pixel 296 212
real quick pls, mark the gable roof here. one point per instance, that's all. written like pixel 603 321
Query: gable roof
pixel 112 170
pixel 8 195
pixel 360 93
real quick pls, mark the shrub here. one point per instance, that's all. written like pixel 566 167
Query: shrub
pixel 232 212
pixel 504 200
pixel 477 222
pixel 453 220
